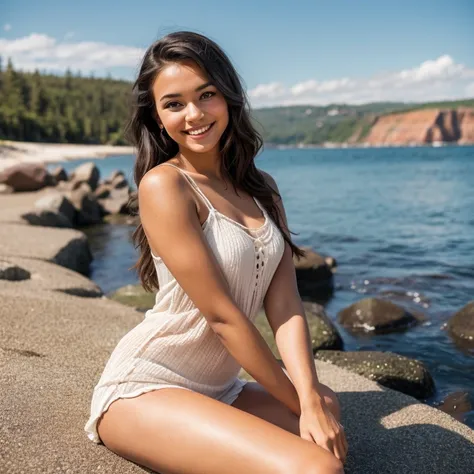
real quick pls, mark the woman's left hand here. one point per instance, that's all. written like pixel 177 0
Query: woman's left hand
pixel 318 425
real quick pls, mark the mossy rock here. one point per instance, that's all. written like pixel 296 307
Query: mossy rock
pixel 134 296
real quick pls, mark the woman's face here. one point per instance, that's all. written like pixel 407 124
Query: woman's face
pixel 194 105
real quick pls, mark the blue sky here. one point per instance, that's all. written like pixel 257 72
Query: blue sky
pixel 286 52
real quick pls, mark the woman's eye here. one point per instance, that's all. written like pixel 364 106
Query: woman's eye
pixel 171 105
pixel 209 92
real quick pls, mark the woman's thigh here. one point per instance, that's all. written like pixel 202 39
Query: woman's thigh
pixel 179 431
pixel 256 400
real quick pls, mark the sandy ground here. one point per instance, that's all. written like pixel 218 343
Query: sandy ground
pixel 12 152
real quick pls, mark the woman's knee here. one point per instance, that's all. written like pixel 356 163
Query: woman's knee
pixel 318 465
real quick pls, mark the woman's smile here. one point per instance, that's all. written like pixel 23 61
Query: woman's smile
pixel 201 132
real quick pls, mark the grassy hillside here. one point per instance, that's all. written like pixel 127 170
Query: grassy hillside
pixel 75 109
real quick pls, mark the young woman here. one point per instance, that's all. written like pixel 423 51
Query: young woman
pixel 215 243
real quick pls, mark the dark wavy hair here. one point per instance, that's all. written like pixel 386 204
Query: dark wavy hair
pixel 239 143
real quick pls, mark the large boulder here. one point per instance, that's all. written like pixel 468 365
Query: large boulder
pixel 53 351
pixel 117 201
pixel 461 326
pixel 377 316
pixel 314 275
pixel 31 276
pixel 26 177
pixel 52 210
pixel 88 209
pixel 391 370
pixel 66 247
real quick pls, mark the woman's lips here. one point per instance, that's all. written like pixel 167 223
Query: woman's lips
pixel 202 135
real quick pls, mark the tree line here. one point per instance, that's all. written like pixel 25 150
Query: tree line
pixel 42 107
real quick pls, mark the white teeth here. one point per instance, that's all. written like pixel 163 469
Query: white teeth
pixel 201 130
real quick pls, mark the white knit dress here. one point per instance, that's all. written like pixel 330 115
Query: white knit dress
pixel 174 346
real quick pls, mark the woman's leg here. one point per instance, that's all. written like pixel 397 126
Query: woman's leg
pixel 256 400
pixel 179 431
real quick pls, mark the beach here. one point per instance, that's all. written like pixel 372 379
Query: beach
pixel 13 152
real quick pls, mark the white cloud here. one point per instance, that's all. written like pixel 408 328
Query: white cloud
pixel 39 51
pixel 438 79
pixel 69 35
pixel 7 27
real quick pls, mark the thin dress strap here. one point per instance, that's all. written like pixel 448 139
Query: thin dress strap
pixel 193 184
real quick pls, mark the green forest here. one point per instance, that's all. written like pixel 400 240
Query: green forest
pixel 70 108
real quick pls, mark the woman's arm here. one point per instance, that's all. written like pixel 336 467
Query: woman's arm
pixel 171 224
pixel 286 316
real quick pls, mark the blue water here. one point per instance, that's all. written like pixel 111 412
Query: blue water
pixel 400 223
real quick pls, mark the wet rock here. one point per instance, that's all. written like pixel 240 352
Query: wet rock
pixel 391 370
pixel 324 334
pixel 26 177
pixel 456 404
pixel 461 325
pixel 314 275
pixel 377 316
pixel 12 272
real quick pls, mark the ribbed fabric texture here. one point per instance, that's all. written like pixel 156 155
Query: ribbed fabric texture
pixel 174 345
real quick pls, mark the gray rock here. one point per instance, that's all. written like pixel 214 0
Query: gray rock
pixel 88 209
pixel 119 182
pixel 53 350
pixel 59 174
pixel 313 274
pixel 48 277
pixel 103 191
pixel 391 370
pixel 116 203
pixel 377 316
pixel 66 247
pixel 324 334
pixel 461 326
pixel 47 219
pixel 86 173
pixel 52 210
pixel 11 272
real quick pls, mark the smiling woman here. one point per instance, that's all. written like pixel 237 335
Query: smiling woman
pixel 169 397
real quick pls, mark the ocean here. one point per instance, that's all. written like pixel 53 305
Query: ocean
pixel 399 222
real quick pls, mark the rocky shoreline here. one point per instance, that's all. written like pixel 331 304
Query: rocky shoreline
pixel 58 330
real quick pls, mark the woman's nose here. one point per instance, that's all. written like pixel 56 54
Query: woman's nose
pixel 193 112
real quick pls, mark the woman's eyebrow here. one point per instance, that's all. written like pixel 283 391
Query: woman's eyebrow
pixel 202 86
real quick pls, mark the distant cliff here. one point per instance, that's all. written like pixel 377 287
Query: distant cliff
pixel 423 127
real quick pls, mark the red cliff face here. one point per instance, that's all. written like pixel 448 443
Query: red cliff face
pixel 423 126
